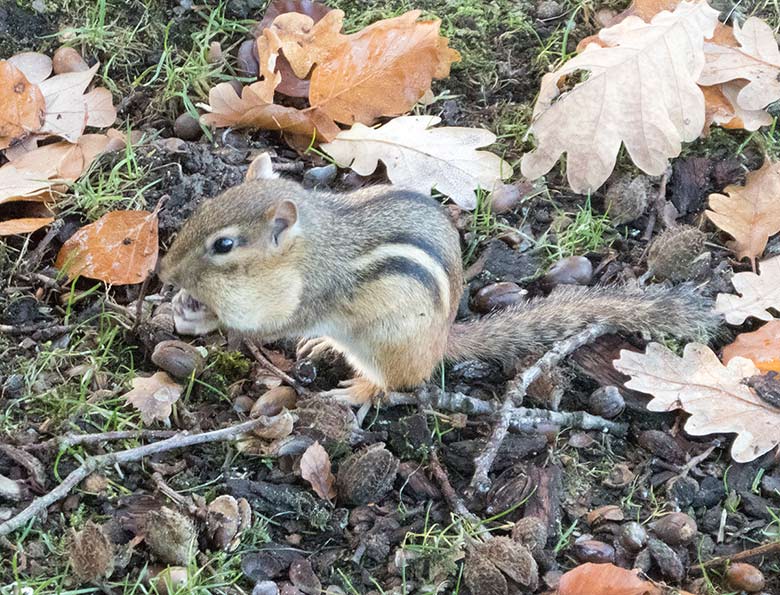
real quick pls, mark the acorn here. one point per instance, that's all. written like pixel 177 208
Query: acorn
pixel 181 360
pixel 92 554
pixel 627 198
pixel 676 528
pixel 170 535
pixel 66 59
pixel 572 270
pixel 607 402
pixel 273 401
pixel 498 295
pixel 367 475
pixel 673 253
pixel 745 577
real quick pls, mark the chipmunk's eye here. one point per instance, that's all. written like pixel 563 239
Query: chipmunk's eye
pixel 223 245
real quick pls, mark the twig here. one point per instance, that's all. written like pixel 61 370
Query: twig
pixel 522 419
pixel 266 363
pixel 92 464
pixel 480 483
pixel 68 440
pixel 35 257
pixel 767 549
pixel 454 501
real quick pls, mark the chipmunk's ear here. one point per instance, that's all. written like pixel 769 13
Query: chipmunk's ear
pixel 284 222
pixel 261 168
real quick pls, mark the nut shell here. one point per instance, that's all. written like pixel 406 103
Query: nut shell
pixel 92 554
pixel 367 476
pixel 170 535
pixel 178 358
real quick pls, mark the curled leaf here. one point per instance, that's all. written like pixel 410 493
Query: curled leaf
pixel 762 347
pixel 21 105
pixel 154 396
pixel 315 468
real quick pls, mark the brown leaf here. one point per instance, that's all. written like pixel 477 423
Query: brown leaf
pixel 23 225
pixel 749 213
pixel 154 396
pixel 762 347
pixel 22 105
pixel 382 70
pixel 305 42
pixel 713 394
pixel 251 110
pixel 614 106
pixel 604 579
pixel 120 248
pixel 315 468
pixel 722 108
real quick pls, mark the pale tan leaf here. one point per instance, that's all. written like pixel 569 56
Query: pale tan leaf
pixel 382 70
pixel 23 225
pixel 315 468
pixel 640 92
pixel 723 109
pixel 40 170
pixel 713 394
pixel 750 213
pixel 154 396
pixel 119 248
pixel 759 294
pixel 757 59
pixel 21 105
pixel 66 110
pixel 420 157
pixel 36 67
pixel 101 112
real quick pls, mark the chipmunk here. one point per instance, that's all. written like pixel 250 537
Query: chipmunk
pixel 376 275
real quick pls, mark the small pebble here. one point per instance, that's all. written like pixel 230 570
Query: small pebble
pixel 186 127
pixel 632 536
pixel 242 404
pixel 548 9
pixel 265 588
pixel 66 59
pixel 745 577
pixel 572 270
pixel 505 198
pixel 667 559
pixel 497 296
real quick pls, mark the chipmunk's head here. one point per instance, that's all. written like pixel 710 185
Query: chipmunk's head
pixel 237 253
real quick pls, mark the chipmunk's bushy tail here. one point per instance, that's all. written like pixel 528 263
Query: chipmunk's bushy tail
pixel 539 322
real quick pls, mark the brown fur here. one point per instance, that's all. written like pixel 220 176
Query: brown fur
pixel 378 274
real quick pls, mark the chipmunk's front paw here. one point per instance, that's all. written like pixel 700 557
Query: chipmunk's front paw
pixel 190 317
pixel 356 392
pixel 313 348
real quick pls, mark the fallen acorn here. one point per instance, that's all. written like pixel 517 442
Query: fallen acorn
pixel 497 296
pixel 676 528
pixel 593 550
pixel 367 475
pixel 226 519
pixel 745 577
pixel 181 360
pixel 572 270
pixel 170 579
pixel 607 402
pixel 273 401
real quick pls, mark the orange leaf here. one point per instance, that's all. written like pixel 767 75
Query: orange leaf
pixel 253 110
pixel 604 579
pixel 21 105
pixel 382 70
pixel 23 225
pixel 315 468
pixel 305 42
pixel 119 248
pixel 762 347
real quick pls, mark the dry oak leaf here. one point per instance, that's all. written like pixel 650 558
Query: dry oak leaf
pixel 713 394
pixel 722 108
pixel 762 347
pixel 251 110
pixel 641 92
pixel 604 579
pixel 759 292
pixel 66 107
pixel 315 468
pixel 750 213
pixel 34 174
pixel 22 105
pixel 23 225
pixel 382 70
pixel 419 157
pixel 36 67
pixel 305 42
pixel 120 248
pixel 154 396
pixel 757 59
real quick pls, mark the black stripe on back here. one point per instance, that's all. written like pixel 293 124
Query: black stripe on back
pixel 418 242
pixel 400 265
